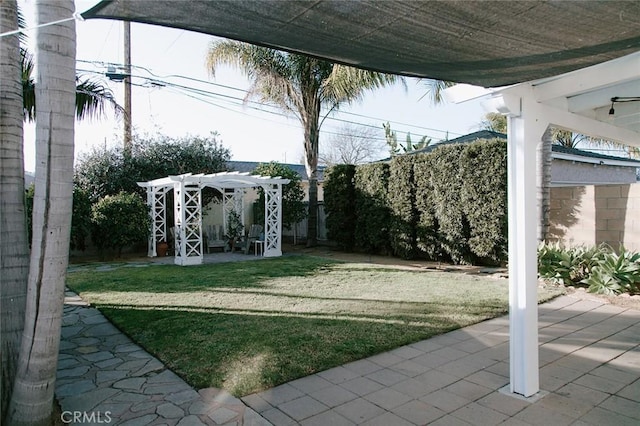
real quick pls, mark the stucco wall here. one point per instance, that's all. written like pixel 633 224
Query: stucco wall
pixel 590 215
pixel 565 172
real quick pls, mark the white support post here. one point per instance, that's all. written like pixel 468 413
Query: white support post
pixel 156 200
pixel 151 245
pixel 525 128
pixel 188 209
pixel 272 220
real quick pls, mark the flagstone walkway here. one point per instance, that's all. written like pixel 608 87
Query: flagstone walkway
pixel 107 378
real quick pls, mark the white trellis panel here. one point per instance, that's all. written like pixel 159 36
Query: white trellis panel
pixel 272 220
pixel 156 200
pixel 232 200
pixel 188 207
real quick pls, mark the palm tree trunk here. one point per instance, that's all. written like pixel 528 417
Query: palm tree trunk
pixel 32 398
pixel 14 249
pixel 311 142
pixel 543 181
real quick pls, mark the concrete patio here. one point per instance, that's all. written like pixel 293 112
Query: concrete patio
pixel 589 365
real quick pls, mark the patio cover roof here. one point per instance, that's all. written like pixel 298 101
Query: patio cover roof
pixel 485 43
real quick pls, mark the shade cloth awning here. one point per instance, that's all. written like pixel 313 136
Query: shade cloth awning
pixel 485 43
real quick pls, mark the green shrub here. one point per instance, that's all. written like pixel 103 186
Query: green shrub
pixel 372 211
pixel 600 268
pixel 401 199
pixel 340 205
pixel 447 188
pixel 80 217
pixel 119 220
pixel 483 173
pixel 293 208
pixel 615 273
pixel 427 237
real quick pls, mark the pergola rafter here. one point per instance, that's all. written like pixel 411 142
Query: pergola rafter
pixel 187 189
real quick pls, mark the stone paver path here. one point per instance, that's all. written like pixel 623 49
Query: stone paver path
pixel 101 372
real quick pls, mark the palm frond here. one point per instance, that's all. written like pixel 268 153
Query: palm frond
pixel 435 89
pixel 28 85
pixel 347 84
pixel 22 24
pixel 92 98
pixel 269 70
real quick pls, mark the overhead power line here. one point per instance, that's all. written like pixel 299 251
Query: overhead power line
pixel 162 81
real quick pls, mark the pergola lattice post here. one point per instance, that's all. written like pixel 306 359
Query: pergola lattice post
pixel 188 218
pixel 156 200
pixel 272 220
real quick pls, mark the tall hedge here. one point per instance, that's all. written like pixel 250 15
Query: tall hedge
pixel 447 187
pixel 372 227
pixel 483 172
pixel 427 235
pixel 401 199
pixel 340 205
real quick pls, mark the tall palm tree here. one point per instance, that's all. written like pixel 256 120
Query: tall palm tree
pixel 14 250
pixel 32 399
pixel 304 86
pixel 18 102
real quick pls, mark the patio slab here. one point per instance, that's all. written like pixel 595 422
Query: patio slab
pixel 589 358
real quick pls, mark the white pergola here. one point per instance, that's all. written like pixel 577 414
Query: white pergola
pixel 187 192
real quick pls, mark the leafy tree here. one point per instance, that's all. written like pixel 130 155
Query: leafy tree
pixel 119 220
pixel 293 208
pixel 353 145
pixel 109 171
pixel 80 218
pixel 304 86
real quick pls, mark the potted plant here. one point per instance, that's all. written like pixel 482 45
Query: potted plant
pixel 162 248
pixel 235 228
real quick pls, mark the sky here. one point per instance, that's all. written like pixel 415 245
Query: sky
pixel 176 95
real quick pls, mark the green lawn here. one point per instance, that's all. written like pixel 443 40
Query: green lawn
pixel 248 326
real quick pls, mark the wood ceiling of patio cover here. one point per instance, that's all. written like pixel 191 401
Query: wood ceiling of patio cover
pixel 486 43
pixel 217 180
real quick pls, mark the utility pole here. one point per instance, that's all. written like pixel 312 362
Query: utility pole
pixel 127 86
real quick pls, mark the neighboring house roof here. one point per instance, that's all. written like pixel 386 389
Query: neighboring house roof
pixel 471 137
pixel 249 166
pixel 573 154
pixel 558 151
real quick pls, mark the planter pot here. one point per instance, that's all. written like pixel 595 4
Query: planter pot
pixel 162 249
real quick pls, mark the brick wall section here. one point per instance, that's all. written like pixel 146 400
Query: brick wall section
pixel 590 215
